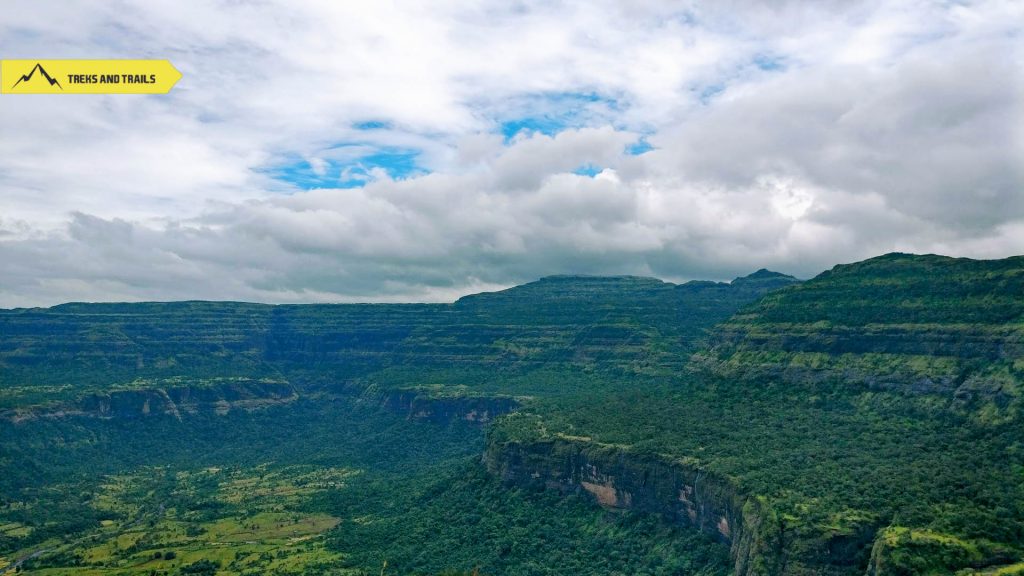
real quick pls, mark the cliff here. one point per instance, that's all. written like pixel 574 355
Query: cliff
pixel 417 404
pixel 869 420
pixel 680 493
pixel 175 400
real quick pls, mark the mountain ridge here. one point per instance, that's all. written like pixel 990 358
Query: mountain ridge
pixel 760 274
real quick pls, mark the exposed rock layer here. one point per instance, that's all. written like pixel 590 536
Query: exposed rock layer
pixel 678 492
pixel 479 410
pixel 173 401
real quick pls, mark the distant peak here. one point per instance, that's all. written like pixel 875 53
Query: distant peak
pixel 765 274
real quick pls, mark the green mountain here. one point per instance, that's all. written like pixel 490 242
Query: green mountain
pixel 865 421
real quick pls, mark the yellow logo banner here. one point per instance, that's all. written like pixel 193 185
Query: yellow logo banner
pixel 87 76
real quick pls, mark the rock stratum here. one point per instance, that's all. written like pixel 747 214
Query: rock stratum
pixel 677 491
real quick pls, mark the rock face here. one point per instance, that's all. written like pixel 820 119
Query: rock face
pixel 173 401
pixel 479 410
pixel 678 492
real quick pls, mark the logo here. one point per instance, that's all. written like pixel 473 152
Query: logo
pixel 87 76
pixel 42 71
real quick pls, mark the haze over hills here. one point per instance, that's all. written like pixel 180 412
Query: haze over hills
pixel 865 421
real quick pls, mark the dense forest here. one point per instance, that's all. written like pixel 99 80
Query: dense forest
pixel 865 421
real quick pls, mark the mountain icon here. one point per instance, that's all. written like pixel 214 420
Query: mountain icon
pixel 27 77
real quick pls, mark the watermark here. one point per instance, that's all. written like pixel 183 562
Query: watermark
pixel 87 76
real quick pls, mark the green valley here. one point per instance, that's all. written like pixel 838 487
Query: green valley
pixel 866 421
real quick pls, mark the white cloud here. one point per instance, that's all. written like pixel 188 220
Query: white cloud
pixel 786 135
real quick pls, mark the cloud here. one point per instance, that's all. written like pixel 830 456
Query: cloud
pixel 318 152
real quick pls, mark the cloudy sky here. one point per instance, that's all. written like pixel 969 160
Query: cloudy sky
pixel 319 150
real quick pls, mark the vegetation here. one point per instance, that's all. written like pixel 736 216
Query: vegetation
pixel 868 420
pixel 247 493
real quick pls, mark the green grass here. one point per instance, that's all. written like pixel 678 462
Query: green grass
pixel 243 520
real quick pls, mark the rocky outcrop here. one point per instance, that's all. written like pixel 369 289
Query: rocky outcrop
pixel 174 401
pixel 679 492
pixel 416 405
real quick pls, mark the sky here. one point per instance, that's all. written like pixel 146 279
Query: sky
pixel 324 151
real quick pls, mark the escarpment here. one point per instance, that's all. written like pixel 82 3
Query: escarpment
pixel 625 323
pixel 869 419
pixel 420 405
pixel 924 353
pixel 910 324
pixel 171 399
pixel 680 493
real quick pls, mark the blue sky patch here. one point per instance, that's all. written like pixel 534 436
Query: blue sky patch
pixel 328 172
pixel 554 112
pixel 301 174
pixel 398 164
pixel 372 125
pixel 546 125
pixel 639 147
pixel 590 170
pixel 708 93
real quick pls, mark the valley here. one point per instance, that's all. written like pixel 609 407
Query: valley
pixel 866 421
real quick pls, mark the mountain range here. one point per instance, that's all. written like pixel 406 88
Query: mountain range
pixel 865 421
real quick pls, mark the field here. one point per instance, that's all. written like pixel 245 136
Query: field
pixel 229 521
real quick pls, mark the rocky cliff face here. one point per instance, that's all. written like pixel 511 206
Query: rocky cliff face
pixel 678 492
pixel 416 405
pixel 176 401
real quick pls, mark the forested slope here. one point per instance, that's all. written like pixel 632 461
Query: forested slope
pixel 865 421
